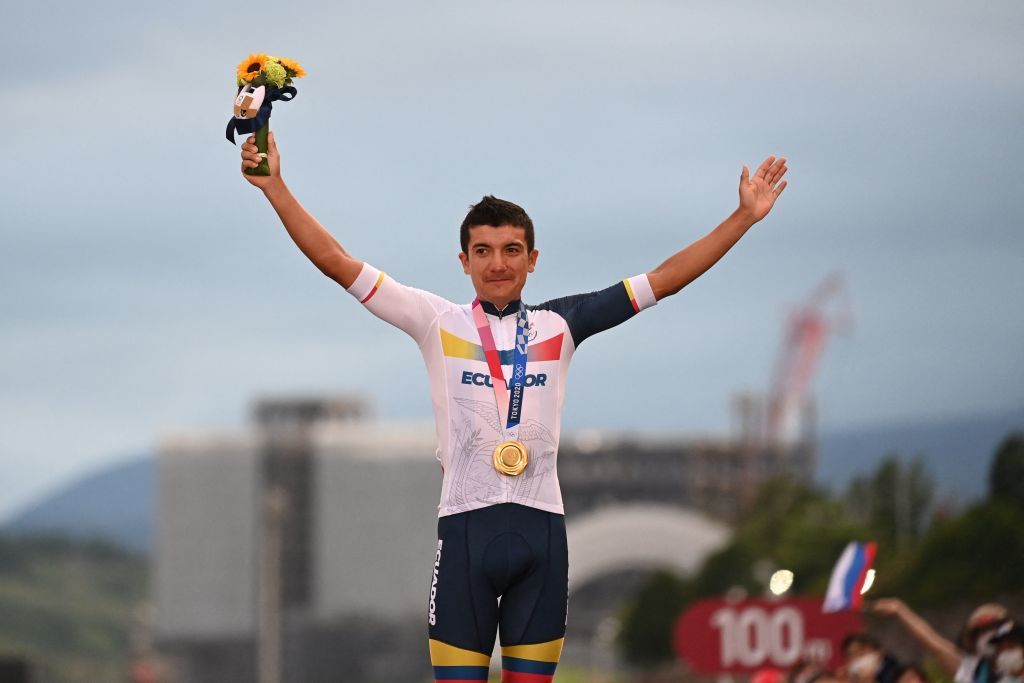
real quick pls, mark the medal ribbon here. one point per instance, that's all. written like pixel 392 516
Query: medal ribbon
pixel 512 392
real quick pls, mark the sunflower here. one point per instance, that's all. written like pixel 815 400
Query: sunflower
pixel 294 70
pixel 250 68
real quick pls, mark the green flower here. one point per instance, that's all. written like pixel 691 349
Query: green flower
pixel 274 74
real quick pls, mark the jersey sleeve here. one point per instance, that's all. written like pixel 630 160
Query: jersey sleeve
pixel 588 314
pixel 411 310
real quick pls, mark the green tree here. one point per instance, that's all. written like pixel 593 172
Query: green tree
pixel 646 635
pixel 811 540
pixel 976 556
pixel 979 554
pixel 789 525
pixel 894 501
pixel 1006 476
pixel 69 604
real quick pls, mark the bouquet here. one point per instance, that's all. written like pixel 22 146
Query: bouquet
pixel 262 79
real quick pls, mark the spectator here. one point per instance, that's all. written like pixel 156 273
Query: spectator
pixel 1008 659
pixel 804 671
pixel 912 673
pixel 826 677
pixel 867 662
pixel 972 667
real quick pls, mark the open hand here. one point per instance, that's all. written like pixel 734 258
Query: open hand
pixel 758 194
pixel 889 607
pixel 251 159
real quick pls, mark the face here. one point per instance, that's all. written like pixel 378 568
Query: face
pixel 982 645
pixel 1009 658
pixel 862 661
pixel 498 262
pixel 910 676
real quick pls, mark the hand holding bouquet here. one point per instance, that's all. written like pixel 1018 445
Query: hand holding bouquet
pixel 261 80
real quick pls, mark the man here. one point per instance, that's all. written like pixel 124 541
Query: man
pixel 971 662
pixel 866 662
pixel 497 370
pixel 1008 658
pixel 913 673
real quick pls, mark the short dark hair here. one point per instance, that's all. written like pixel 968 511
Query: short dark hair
pixel 495 212
pixel 917 669
pixel 864 639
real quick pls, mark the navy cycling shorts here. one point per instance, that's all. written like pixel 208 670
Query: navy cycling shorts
pixel 507 551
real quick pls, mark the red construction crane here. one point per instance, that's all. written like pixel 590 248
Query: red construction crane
pixel 826 311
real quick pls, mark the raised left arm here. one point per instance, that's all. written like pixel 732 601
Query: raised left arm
pixel 757 197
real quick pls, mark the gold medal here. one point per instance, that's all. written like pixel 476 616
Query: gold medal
pixel 511 458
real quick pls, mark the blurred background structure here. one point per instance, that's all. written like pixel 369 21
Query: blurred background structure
pixel 148 290
pixel 274 542
pixel 297 535
pixel 300 545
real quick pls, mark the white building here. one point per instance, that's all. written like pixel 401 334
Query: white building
pixel 356 541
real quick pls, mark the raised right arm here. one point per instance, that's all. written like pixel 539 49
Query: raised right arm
pixel 941 648
pixel 309 236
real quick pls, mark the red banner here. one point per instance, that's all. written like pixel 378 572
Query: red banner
pixel 719 636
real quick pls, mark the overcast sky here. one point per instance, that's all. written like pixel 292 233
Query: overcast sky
pixel 147 287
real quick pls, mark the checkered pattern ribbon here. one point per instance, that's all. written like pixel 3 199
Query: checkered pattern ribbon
pixel 511 391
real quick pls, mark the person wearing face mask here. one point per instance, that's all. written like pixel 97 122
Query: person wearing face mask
pixel 976 640
pixel 971 662
pixel 912 673
pixel 867 662
pixel 1008 659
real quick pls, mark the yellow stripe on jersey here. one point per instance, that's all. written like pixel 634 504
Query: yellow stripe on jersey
pixel 629 289
pixel 373 290
pixel 456 347
pixel 632 296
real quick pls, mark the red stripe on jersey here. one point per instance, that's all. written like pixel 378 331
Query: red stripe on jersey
pixel 376 286
pixel 549 349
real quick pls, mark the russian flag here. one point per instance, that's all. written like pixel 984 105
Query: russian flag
pixel 848 577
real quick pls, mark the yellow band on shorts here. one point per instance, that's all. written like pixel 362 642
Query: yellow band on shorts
pixel 443 654
pixel 550 651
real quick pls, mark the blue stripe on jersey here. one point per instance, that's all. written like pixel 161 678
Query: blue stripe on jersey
pixel 528 666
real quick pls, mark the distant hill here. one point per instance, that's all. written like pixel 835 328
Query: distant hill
pixel 114 503
pixel 957 451
pixel 69 607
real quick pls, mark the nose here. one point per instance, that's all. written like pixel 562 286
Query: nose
pixel 497 262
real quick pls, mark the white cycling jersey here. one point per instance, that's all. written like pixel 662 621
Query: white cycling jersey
pixel 468 421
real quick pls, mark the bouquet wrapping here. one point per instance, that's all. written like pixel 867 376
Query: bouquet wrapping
pixel 261 80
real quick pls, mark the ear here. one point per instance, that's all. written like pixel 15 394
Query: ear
pixel 533 261
pixel 464 257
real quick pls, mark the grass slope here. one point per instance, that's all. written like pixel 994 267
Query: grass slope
pixel 69 606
